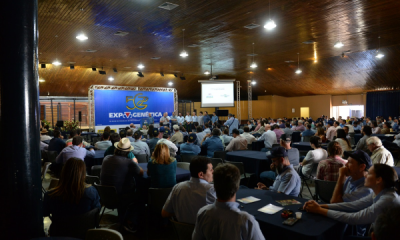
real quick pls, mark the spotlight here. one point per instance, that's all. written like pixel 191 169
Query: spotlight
pixel 42 80
pixel 270 25
pixel 111 79
pixel 176 75
pixel 183 78
pixel 81 37
pixel 170 83
pixel 140 66
pixel 115 70
pixel 253 65
pixel 43 65
pixel 56 62
pixel 94 69
pixel 253 82
pixel 298 71
pixel 140 74
pixel 338 44
pixel 207 72
pixel 71 66
pixel 162 74
pixel 379 55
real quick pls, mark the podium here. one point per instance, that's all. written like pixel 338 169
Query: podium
pixel 144 121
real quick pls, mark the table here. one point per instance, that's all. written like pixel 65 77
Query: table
pixel 386 137
pixel 181 174
pixel 48 141
pixel 296 137
pixel 306 146
pixel 397 169
pixel 310 227
pixel 96 160
pixel 257 145
pixel 253 161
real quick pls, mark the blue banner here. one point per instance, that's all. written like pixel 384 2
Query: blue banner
pixel 118 107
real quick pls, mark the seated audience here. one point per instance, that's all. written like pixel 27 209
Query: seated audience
pixel 328 170
pixel 226 137
pixel 71 197
pixel 275 128
pixel 383 180
pixel 287 181
pixel 330 131
pixel 362 143
pixel 153 140
pixel 72 134
pixel 144 130
pixel 189 147
pixel 114 138
pixel 213 143
pixel 343 141
pixel 56 144
pixel 43 146
pixel 259 131
pixel 375 128
pixel 162 168
pixel 238 142
pixel 379 153
pixel 386 225
pixel 44 136
pixel 206 128
pixel 178 136
pixel 269 137
pixel 395 125
pixel 313 157
pixel 140 147
pixel 287 130
pixel 200 135
pixel 321 134
pixel 246 134
pixel 300 127
pixel 386 128
pixel 173 149
pixel 308 132
pixel 397 139
pixel 223 219
pixel 75 151
pixel 356 126
pixel 106 143
pixel 184 132
pixel 186 198
pixel 129 134
pixel 336 124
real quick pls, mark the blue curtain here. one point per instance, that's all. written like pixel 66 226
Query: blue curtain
pixel 383 104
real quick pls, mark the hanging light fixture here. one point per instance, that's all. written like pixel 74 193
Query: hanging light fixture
pixel 140 66
pixel 253 65
pixel 298 71
pixel 378 54
pixel 270 24
pixel 111 79
pixel 183 53
pixel 82 37
pixel 56 62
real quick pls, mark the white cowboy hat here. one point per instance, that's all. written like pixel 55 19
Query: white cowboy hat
pixel 124 145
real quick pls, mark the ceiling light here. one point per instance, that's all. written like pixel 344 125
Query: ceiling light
pixel 41 80
pixel 298 71
pixel 253 82
pixel 56 62
pixel 207 72
pixel 110 79
pixel 253 65
pixel 338 44
pixel 379 55
pixel 183 53
pixel 170 83
pixel 270 25
pixel 81 37
pixel 140 66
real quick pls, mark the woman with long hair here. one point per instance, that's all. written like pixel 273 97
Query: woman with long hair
pixel 72 196
pixel 321 134
pixel 162 167
pixel 342 140
pixel 383 180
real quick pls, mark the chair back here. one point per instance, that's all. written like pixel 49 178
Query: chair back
pixel 306 139
pixel 183 231
pixel 96 171
pixel 76 226
pixel 108 196
pixel 53 183
pixel 187 158
pixel 352 141
pixel 220 154
pixel 250 146
pixel 240 166
pixel 226 144
pixel 183 165
pixel 51 156
pixel 157 198
pixel 142 158
pixel 45 169
pixel 44 155
pixel 324 190
pixel 215 162
pixel 92 179
pixel 103 234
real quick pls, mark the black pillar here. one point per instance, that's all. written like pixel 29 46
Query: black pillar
pixel 21 205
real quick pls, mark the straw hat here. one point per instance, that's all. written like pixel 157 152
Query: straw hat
pixel 124 145
pixel 43 131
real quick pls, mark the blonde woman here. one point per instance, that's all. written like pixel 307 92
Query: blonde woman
pixel 162 168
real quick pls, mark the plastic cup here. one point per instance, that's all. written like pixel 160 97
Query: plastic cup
pixel 298 215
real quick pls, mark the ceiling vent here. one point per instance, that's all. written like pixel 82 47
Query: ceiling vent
pixel 309 42
pixel 155 58
pixel 193 45
pixel 91 50
pixel 102 72
pixel 168 6
pixel 251 26
pixel 121 33
pixel 289 61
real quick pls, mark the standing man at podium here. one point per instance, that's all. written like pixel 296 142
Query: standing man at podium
pixel 232 123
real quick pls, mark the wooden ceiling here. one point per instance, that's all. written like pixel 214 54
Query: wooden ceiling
pixel 217 29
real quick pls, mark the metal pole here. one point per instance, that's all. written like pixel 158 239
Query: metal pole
pixel 74 110
pixel 52 116
pixel 20 179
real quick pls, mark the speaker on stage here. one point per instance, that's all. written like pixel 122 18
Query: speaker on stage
pixel 80 116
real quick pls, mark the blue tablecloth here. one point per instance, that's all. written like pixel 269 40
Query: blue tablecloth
pixel 296 137
pixel 306 146
pixel 253 161
pixel 257 146
pixel 48 141
pixel 397 170
pixel 386 137
pixel 310 227
pixel 181 174
pixel 96 160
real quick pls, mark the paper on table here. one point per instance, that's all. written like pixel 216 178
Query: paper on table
pixel 296 143
pixel 270 209
pixel 288 202
pixel 247 200
pixel 389 135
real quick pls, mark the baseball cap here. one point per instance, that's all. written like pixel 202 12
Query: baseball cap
pixel 192 137
pixel 155 132
pixel 330 123
pixel 166 131
pixel 162 129
pixel 138 133
pixel 362 158
pixel 278 152
pixel 286 137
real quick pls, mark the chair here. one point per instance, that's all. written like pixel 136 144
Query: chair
pixel 324 190
pixel 220 154
pixel 155 203
pixel 75 226
pixel 51 156
pixel 303 181
pixel 53 183
pixel 96 170
pixel 249 146
pixel 183 165
pixel 103 234
pixel 187 158
pixel 215 162
pixel 44 155
pixel 108 197
pixel 352 141
pixel 241 168
pixel 92 179
pixel 183 231
pixel 142 158
pixel 306 139
pixel 44 171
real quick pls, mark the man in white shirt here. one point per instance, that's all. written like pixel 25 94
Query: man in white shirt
pixel 249 137
pixel 106 143
pixel 172 147
pixel 165 119
pixel 189 121
pixel 379 153
pixel 269 137
pixel 180 119
pixel 44 135
pixel 330 131
pixel 237 143
pixel 226 137
pixel 174 119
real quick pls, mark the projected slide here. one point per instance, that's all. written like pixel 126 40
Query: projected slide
pixel 217 94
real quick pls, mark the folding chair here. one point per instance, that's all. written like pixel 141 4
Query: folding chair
pixel 155 203
pixel 324 190
pixel 215 162
pixel 220 154
pixel 142 158
pixel 183 165
pixel 187 158
pixel 183 231
pixel 45 168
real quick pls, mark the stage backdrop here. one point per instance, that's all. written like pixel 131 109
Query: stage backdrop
pixel 119 108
